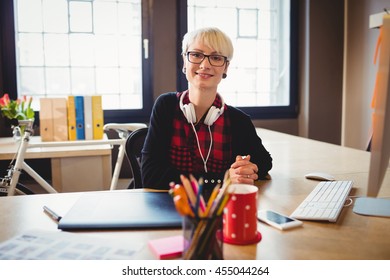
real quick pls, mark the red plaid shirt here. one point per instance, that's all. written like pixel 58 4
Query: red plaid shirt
pixel 184 152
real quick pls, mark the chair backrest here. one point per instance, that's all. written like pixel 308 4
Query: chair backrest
pixel 134 144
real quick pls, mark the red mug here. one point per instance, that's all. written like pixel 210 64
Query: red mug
pixel 240 216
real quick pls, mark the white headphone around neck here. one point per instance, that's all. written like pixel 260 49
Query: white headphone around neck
pixel 211 116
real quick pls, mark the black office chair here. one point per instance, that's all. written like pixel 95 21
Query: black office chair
pixel 134 144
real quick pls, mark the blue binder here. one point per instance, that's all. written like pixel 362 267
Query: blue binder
pixel 79 106
pixel 121 209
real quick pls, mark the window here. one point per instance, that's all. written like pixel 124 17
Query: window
pixel 261 77
pixel 61 49
pixel 82 47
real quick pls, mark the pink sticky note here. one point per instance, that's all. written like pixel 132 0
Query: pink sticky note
pixel 167 247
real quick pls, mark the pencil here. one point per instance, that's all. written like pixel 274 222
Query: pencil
pixel 197 187
pixel 212 199
pixel 187 186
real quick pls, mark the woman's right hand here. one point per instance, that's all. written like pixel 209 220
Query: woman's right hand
pixel 243 171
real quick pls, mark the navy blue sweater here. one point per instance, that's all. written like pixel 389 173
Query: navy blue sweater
pixel 157 172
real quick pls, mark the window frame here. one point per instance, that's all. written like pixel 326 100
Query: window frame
pixel 8 78
pixel 258 112
pixel 8 55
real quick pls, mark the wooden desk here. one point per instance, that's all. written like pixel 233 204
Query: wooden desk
pixel 75 168
pixel 351 237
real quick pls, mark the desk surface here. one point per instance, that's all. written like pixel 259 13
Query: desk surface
pixel 8 148
pixel 351 237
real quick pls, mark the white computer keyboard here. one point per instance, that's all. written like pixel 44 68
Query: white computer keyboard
pixel 325 201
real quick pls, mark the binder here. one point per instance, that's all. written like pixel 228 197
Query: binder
pixel 71 119
pixel 121 209
pixel 79 106
pixel 60 121
pixel 97 117
pixel 88 126
pixel 45 119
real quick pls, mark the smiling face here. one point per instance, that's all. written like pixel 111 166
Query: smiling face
pixel 206 41
pixel 203 75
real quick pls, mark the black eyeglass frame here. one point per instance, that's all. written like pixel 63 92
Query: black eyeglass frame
pixel 208 57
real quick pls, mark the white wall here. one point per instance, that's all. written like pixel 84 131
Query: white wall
pixel 360 71
pixel 321 69
pixel 340 104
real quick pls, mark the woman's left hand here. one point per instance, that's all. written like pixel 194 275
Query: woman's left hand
pixel 243 171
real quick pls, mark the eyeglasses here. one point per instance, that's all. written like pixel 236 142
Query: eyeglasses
pixel 214 59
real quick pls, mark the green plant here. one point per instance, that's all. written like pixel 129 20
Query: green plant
pixel 19 109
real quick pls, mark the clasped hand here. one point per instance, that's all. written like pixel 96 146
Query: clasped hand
pixel 243 171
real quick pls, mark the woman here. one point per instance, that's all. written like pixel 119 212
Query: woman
pixel 195 132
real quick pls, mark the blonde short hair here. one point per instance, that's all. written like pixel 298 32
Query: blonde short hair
pixel 212 37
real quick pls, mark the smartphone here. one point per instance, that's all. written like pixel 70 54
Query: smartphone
pixel 277 220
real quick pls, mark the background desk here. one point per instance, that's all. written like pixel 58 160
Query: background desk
pixel 76 168
pixel 351 237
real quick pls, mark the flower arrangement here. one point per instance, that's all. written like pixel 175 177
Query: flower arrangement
pixel 19 109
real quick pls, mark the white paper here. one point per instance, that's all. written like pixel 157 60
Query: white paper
pixel 49 245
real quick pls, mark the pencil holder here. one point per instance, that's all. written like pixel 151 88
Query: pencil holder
pixel 202 238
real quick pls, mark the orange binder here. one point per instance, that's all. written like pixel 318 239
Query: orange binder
pixel 46 119
pixel 60 120
pixel 71 119
pixel 97 117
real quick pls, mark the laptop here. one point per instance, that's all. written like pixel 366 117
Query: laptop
pixel 121 210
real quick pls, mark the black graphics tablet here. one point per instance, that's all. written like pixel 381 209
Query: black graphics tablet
pixel 121 210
